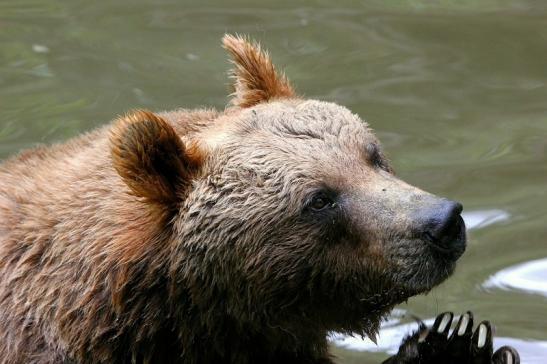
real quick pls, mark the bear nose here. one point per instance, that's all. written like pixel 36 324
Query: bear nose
pixel 443 225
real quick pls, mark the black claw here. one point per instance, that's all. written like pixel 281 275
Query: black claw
pixel 506 355
pixel 436 341
pixel 443 322
pixel 464 326
pixel 481 343
pixel 460 340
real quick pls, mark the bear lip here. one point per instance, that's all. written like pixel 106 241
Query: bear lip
pixel 418 280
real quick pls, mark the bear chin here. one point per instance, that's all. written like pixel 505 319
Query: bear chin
pixel 432 268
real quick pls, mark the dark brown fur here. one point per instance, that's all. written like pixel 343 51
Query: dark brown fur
pixel 187 236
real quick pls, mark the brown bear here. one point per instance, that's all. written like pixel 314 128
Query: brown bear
pixel 202 236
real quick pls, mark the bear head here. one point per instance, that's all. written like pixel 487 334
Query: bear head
pixel 285 212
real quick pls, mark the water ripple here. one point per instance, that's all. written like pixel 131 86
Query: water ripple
pixel 530 277
pixel 482 218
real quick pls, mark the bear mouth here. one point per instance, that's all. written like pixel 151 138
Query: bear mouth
pixel 431 263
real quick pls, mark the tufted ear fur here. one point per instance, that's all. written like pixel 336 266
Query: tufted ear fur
pixel 256 79
pixel 152 159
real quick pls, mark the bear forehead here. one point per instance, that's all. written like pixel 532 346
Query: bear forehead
pixel 299 129
pixel 309 118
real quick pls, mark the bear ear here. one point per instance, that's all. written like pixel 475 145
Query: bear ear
pixel 152 159
pixel 256 79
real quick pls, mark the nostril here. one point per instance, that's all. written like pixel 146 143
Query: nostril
pixel 458 208
pixel 443 223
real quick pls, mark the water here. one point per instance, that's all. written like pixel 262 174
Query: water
pixel 530 277
pixel 455 89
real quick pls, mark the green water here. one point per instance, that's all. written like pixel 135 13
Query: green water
pixel 456 90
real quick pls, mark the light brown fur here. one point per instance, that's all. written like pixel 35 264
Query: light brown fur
pixel 69 236
pixel 256 79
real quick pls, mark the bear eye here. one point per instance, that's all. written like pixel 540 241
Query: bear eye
pixel 376 157
pixel 321 202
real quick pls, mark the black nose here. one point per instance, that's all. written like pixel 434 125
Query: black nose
pixel 443 225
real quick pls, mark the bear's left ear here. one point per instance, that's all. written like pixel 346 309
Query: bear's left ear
pixel 152 159
pixel 256 79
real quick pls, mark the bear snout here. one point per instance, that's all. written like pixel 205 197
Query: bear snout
pixel 442 226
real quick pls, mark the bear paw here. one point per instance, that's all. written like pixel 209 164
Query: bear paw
pixel 463 346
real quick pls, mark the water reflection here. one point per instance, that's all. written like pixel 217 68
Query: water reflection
pixel 392 333
pixel 530 277
pixel 482 218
